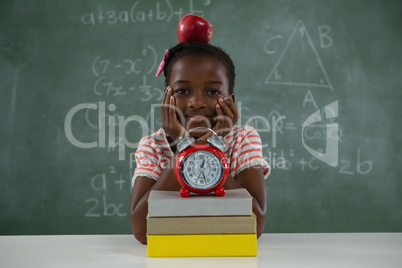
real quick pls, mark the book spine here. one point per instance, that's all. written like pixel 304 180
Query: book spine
pixel 174 208
pixel 202 225
pixel 204 245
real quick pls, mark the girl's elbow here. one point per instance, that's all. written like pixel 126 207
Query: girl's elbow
pixel 139 234
pixel 260 230
pixel 260 223
pixel 140 237
pixel 138 229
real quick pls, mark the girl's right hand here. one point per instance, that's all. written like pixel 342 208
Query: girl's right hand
pixel 170 123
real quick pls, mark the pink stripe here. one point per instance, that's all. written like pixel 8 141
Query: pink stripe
pixel 151 170
pixel 148 153
pixel 250 143
pixel 245 152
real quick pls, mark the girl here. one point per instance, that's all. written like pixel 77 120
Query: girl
pixel 199 82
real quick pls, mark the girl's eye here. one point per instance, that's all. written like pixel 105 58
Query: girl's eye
pixel 181 91
pixel 214 92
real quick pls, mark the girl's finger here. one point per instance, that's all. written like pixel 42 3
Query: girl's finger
pixel 205 137
pixel 230 119
pixel 175 124
pixel 220 126
pixel 226 109
pixel 165 106
pixel 234 110
pixel 172 110
pixel 219 117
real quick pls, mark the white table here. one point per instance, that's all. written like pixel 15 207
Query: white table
pixel 274 250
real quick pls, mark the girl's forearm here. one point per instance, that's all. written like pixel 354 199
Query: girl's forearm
pixel 258 210
pixel 139 211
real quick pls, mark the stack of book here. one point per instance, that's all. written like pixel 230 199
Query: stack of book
pixel 201 225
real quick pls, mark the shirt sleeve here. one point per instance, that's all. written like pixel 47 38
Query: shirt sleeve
pixel 249 152
pixel 147 158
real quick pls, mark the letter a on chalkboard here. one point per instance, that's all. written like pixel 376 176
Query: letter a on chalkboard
pixel 299 63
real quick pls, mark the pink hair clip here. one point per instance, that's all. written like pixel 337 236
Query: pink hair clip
pixel 162 64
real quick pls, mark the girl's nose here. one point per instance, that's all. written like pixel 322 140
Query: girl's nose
pixel 197 101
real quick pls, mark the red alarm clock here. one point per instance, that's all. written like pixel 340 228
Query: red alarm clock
pixel 200 167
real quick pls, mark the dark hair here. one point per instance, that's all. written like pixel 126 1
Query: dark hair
pixel 195 48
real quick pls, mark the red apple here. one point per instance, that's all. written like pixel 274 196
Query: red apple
pixel 193 28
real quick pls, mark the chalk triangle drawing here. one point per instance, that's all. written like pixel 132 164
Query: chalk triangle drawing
pixel 299 64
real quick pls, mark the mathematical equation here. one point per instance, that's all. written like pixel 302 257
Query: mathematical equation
pixel 321 126
pixel 106 70
pixel 142 65
pixel 104 86
pixel 357 164
pixel 285 134
pixel 159 11
pixel 102 184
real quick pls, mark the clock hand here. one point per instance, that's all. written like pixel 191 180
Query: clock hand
pixel 202 171
pixel 199 175
pixel 203 175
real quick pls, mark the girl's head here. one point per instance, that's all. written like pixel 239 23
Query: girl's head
pixel 200 76
pixel 199 49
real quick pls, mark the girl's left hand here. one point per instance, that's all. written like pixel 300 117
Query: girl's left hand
pixel 227 116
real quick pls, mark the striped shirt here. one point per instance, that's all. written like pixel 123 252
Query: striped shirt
pixel 243 150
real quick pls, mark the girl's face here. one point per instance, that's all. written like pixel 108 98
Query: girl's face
pixel 198 81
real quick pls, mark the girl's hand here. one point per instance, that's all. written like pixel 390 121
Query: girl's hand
pixel 170 123
pixel 227 116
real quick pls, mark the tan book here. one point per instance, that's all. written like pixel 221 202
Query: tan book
pixel 236 202
pixel 202 225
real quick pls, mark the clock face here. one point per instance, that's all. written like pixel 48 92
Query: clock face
pixel 201 169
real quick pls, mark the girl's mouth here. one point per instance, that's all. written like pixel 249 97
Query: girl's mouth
pixel 196 119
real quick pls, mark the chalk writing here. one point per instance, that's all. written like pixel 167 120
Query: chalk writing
pixel 362 167
pixel 102 184
pixel 305 69
pixel 321 132
pixel 105 69
pixel 161 11
pixel 144 65
pixel 325 38
pixel 357 166
pixel 109 209
pixel 105 87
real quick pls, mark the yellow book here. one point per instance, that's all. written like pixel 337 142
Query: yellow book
pixel 202 245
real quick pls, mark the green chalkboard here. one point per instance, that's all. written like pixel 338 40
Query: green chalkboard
pixel 320 80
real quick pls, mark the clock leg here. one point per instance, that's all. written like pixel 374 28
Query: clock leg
pixel 184 192
pixel 220 191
